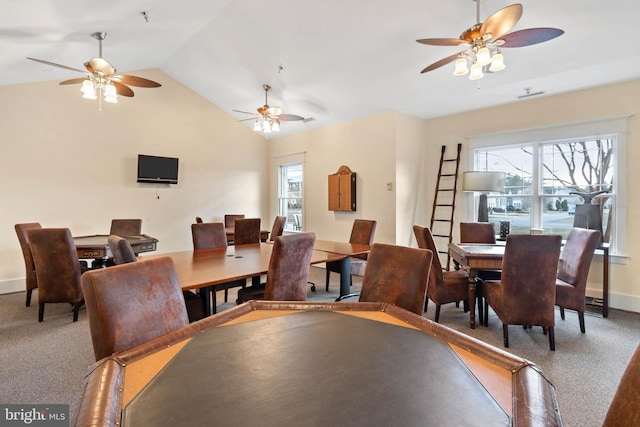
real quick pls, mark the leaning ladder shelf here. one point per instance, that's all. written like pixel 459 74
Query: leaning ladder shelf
pixel 444 203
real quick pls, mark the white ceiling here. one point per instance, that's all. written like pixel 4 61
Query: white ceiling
pixel 340 59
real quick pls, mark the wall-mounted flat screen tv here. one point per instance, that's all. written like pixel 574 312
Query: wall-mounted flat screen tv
pixel 156 169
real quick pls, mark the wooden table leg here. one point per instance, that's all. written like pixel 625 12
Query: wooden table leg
pixel 472 299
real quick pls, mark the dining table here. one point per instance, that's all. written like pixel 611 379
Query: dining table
pixel 207 269
pixel 476 257
pixel 299 363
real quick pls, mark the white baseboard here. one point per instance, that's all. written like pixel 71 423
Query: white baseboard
pixel 10 286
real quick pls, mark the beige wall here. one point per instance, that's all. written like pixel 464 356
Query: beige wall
pixel 367 147
pixel 65 164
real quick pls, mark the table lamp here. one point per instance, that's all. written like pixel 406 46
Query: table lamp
pixel 483 182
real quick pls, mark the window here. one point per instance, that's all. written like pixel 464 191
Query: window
pixel 290 195
pixel 541 175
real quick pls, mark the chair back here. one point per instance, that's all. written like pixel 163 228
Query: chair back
pixel 199 220
pixel 362 233
pixel 230 220
pixel 397 275
pixel 289 267
pixel 528 280
pixel 246 231
pixel 132 303
pixel 57 265
pixel 21 230
pixel 576 256
pixel 625 406
pixel 425 241
pixel 208 235
pixel 477 232
pixel 126 227
pixel 121 250
pixel 278 227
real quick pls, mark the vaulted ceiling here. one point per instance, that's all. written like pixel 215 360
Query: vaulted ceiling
pixel 328 61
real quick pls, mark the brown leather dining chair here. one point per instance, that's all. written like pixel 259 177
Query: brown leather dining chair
pixel 526 294
pixel 278 227
pixel 57 268
pixel 31 278
pixel 126 227
pixel 288 272
pixel 246 231
pixel 477 232
pixel 212 235
pixel 397 275
pixel 121 250
pixel 444 286
pixel 625 406
pixel 132 303
pixel 480 232
pixel 573 270
pixel 362 232
pixel 208 235
pixel 199 220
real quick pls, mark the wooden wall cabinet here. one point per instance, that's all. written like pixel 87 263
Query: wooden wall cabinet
pixel 342 190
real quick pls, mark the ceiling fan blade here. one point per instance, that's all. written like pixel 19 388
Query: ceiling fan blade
pixel 438 64
pixel 246 120
pixel 136 81
pixel 244 112
pixel 122 89
pixel 73 81
pixel 502 21
pixel 289 118
pixel 530 36
pixel 53 64
pixel 100 65
pixel 442 42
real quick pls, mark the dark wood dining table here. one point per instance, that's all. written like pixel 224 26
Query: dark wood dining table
pixel 205 269
pixel 298 363
pixel 475 257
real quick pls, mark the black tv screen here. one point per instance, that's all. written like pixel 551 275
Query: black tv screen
pixel 155 169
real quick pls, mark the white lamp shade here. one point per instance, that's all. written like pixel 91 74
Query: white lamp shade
pixel 497 62
pixel 476 72
pixel 483 56
pixel 483 181
pixel 461 67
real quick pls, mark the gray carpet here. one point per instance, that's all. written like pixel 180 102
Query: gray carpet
pixel 45 363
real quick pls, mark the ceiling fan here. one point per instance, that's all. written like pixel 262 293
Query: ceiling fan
pixel 101 77
pixel 482 42
pixel 268 118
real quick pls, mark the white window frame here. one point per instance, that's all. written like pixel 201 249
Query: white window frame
pixel 284 161
pixel 615 127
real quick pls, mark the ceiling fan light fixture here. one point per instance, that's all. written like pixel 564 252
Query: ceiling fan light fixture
pixel 110 94
pixel 88 90
pixel 483 56
pixel 257 127
pixel 275 126
pixel 461 67
pixel 476 72
pixel 497 62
